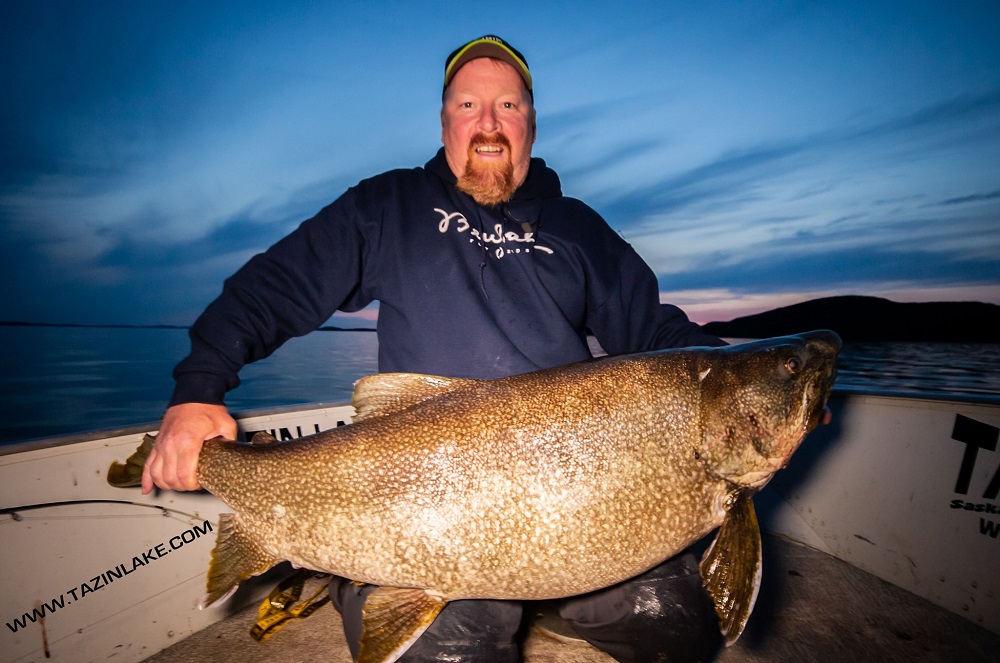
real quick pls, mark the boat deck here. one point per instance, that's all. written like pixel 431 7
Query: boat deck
pixel 811 607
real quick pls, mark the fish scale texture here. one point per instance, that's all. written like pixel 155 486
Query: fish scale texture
pixel 536 486
pixel 478 490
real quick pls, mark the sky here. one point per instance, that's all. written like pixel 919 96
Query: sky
pixel 755 154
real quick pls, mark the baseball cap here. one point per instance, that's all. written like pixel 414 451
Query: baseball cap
pixel 487 46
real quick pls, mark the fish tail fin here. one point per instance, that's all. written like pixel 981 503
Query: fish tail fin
pixel 730 568
pixel 129 473
pixel 235 558
pixel 394 617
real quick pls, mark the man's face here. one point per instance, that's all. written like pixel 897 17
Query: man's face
pixel 488 127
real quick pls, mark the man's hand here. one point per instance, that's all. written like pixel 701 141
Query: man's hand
pixel 173 462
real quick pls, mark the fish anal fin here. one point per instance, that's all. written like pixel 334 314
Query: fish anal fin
pixel 383 393
pixel 235 558
pixel 392 621
pixel 730 568
pixel 129 473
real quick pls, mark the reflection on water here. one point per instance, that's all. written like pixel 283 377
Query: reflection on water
pixel 60 380
pixel 952 368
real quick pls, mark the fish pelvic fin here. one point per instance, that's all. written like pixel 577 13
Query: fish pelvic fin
pixel 730 568
pixel 129 473
pixel 235 558
pixel 384 393
pixel 393 619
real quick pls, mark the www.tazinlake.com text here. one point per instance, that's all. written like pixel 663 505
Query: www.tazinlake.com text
pixel 87 587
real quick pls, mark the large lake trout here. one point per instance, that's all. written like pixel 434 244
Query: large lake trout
pixel 534 486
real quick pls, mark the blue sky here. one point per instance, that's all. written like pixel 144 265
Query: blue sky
pixel 755 154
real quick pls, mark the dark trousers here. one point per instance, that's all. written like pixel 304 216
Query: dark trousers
pixel 661 616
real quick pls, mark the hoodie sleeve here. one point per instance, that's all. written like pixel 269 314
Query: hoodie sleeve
pixel 632 319
pixel 287 291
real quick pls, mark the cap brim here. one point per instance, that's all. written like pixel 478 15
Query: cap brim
pixel 487 48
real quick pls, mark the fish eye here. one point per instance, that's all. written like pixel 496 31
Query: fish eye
pixel 792 365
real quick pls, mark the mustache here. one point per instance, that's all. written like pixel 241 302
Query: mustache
pixel 482 139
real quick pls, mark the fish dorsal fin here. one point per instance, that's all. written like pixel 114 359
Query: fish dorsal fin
pixel 384 393
pixel 393 619
pixel 730 568
pixel 235 558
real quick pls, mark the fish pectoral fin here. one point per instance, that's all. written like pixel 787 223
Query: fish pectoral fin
pixel 393 619
pixel 129 473
pixel 730 568
pixel 384 393
pixel 235 558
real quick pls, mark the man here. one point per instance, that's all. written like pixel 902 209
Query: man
pixel 482 269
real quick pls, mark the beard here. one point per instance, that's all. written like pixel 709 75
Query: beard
pixel 488 183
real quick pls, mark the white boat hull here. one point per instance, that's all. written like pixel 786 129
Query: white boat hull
pixel 880 489
pixel 122 577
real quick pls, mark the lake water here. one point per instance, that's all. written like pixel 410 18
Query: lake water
pixel 60 380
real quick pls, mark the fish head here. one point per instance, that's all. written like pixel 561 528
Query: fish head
pixel 759 400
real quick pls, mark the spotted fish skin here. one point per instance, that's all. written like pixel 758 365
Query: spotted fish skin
pixel 535 486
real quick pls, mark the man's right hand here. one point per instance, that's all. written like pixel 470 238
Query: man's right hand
pixel 173 462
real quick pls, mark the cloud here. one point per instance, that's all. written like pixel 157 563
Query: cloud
pixel 737 176
pixel 972 198
pixel 959 111
pixel 172 150
pixel 855 268
pixel 837 208
pixel 724 183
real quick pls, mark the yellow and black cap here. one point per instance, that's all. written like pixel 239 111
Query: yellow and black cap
pixel 487 46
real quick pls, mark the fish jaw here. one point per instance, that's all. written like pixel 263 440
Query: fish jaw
pixel 760 400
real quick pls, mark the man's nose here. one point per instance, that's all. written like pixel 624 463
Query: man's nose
pixel 488 120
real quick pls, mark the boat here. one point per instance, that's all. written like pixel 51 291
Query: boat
pixel 899 495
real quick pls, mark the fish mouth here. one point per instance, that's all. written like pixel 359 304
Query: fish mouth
pixel 756 480
pixel 813 406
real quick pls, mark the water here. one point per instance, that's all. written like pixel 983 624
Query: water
pixel 61 380
pixel 920 368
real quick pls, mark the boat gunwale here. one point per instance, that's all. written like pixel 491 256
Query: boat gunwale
pixel 35 444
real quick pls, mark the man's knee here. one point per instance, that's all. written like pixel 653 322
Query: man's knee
pixel 663 615
pixel 466 631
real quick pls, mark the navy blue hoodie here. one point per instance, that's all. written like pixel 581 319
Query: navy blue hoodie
pixel 464 290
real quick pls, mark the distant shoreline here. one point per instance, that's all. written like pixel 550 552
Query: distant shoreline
pixel 861 318
pixel 856 318
pixel 16 323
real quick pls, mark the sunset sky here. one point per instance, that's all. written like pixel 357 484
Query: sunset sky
pixel 755 154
